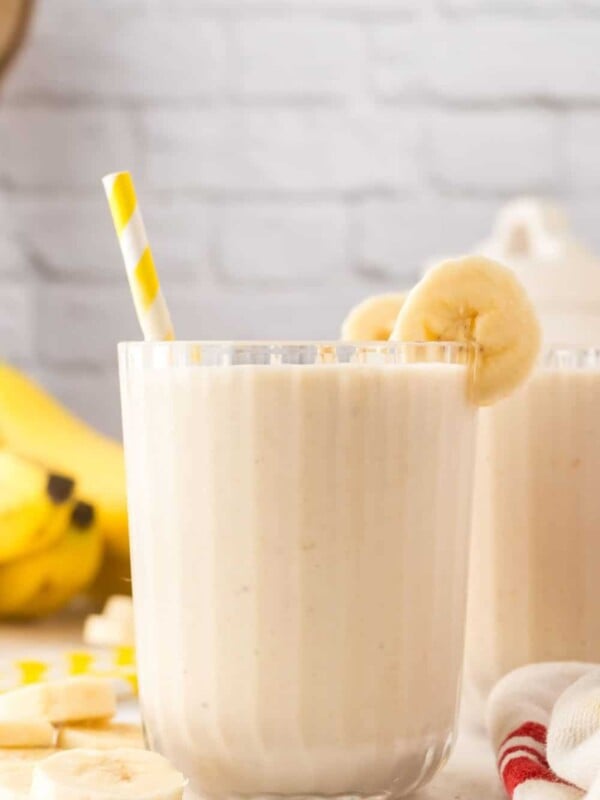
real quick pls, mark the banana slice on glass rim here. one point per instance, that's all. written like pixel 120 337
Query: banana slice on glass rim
pixel 480 302
pixel 124 773
pixel 373 319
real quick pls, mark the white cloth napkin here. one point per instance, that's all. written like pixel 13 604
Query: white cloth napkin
pixel 544 723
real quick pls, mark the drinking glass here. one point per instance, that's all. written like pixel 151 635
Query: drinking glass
pixel 534 588
pixel 300 517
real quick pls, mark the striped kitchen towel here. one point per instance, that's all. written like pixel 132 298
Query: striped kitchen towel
pixel 544 723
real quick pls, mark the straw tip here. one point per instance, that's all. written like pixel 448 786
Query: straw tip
pixel 108 180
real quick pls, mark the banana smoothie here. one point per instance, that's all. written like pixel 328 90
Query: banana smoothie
pixel 300 520
pixel 534 593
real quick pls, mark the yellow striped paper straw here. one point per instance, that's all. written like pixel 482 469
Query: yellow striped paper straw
pixel 150 305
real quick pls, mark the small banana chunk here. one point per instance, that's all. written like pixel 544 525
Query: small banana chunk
pixel 119 606
pixel 476 300
pixel 15 779
pixel 100 735
pixel 102 631
pixel 114 626
pixel 26 733
pixel 127 774
pixel 373 319
pixel 69 700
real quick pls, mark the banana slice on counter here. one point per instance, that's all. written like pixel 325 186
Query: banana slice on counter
pixel 31 754
pixel 476 300
pixel 26 733
pixel 100 735
pixel 373 319
pixel 15 779
pixel 127 774
pixel 69 700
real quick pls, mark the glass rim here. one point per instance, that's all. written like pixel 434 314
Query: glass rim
pixel 576 349
pixel 294 353
pixel 569 357
pixel 292 343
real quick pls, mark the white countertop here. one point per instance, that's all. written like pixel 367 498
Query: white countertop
pixel 469 775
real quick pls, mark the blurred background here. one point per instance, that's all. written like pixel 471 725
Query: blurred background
pixel 291 157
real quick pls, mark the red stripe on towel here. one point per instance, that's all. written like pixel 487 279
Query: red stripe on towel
pixel 534 730
pixel 528 764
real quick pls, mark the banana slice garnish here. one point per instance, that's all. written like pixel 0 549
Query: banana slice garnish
pixel 373 319
pixel 476 300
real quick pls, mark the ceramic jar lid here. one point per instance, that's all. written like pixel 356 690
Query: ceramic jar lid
pixel 535 239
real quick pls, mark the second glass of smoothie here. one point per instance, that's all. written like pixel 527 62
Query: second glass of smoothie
pixel 300 519
pixel 535 591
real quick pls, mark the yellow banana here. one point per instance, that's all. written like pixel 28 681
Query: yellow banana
pixel 35 425
pixel 34 507
pixel 45 581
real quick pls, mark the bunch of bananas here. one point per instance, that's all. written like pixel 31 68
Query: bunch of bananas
pixel 63 515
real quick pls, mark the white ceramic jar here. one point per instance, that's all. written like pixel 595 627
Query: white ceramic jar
pixel 562 277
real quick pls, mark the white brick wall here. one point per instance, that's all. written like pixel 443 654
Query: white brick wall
pixel 439 228
pixel 280 244
pixel 113 50
pixel 494 150
pixel 582 132
pixel 316 58
pixel 258 150
pixel 494 59
pixel 62 147
pixel 396 60
pixel 515 7
pixel 291 156
pixel 17 322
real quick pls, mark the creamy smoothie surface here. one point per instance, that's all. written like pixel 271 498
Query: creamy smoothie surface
pixel 535 591
pixel 299 537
